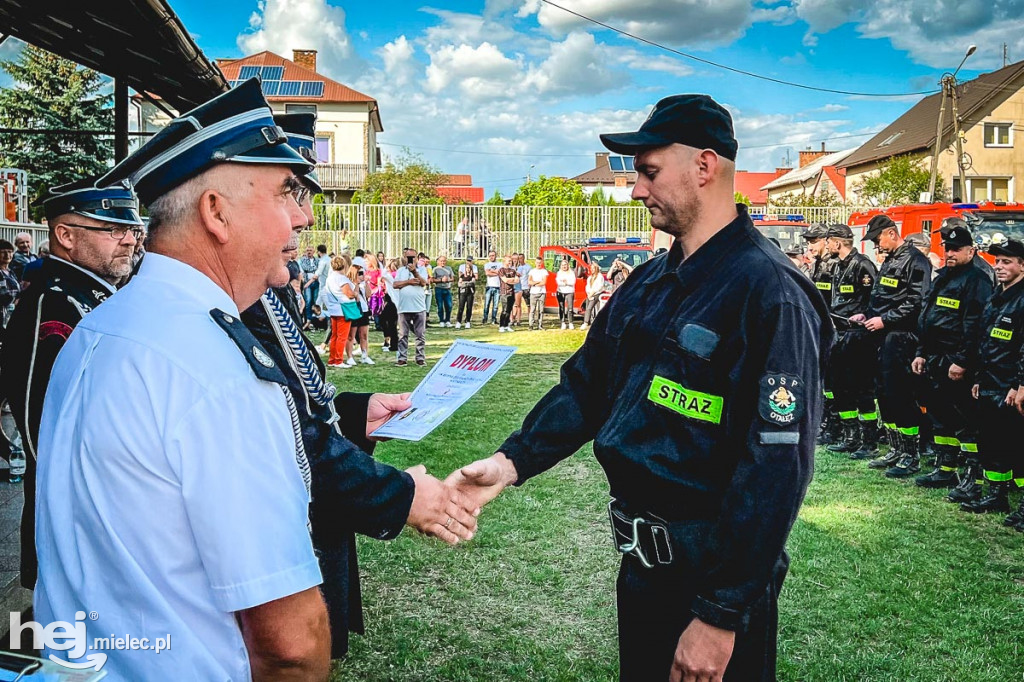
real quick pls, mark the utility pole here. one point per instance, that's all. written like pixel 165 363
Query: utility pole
pixel 948 83
pixel 938 143
pixel 1006 55
pixel 958 134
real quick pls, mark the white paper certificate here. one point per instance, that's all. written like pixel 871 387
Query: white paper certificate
pixel 460 373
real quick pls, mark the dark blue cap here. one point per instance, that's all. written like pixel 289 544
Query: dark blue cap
pixel 114 204
pixel 1011 247
pixel 236 126
pixel 301 132
pixel 694 120
pixel 877 225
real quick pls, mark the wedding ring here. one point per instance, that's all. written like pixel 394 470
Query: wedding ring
pixel 448 523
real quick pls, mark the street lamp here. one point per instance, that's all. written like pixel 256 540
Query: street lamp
pixel 530 172
pixel 948 83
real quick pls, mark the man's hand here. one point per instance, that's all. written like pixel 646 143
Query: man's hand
pixel 382 407
pixel 440 510
pixel 1011 397
pixel 917 366
pixel 874 324
pixel 702 654
pixel 956 372
pixel 859 318
pixel 1019 400
pixel 974 391
pixel 482 481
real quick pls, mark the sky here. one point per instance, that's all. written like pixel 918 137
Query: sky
pixel 503 89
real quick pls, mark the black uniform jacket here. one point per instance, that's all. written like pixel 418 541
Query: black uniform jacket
pixel 351 491
pixel 952 311
pixel 899 292
pixel 60 295
pixel 999 363
pixel 822 274
pixel 853 279
pixel 700 385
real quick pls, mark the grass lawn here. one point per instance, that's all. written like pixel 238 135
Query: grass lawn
pixel 888 582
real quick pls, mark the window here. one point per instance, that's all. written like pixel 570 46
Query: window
pixel 621 164
pixel 984 189
pixel 300 108
pixel 889 140
pixel 998 135
pixel 323 150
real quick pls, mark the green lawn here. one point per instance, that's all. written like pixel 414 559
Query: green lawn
pixel 888 582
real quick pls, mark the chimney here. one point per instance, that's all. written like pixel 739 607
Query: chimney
pixel 305 58
pixel 807 156
pixel 601 159
pixel 779 172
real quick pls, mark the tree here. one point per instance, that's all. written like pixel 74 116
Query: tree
pixel 495 200
pixel 741 198
pixel 550 191
pixel 826 198
pixel 51 92
pixel 406 180
pixel 899 181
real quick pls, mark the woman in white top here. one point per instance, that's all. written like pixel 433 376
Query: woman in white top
pixel 360 333
pixel 337 290
pixel 595 286
pixel 565 280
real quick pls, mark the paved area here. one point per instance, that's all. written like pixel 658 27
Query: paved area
pixel 13 597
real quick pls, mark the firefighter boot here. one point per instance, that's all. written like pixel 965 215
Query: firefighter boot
pixel 910 461
pixel 1016 518
pixel 944 473
pixel 830 427
pixel 995 501
pixel 868 440
pixel 890 458
pixel 850 439
pixel 969 488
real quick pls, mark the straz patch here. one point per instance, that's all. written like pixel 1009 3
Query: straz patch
pixel 889 282
pixel 692 404
pixel 824 286
pixel 846 288
pixel 782 399
pixel 944 302
pixel 1001 334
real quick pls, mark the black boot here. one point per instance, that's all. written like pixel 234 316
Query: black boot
pixel 969 488
pixel 944 473
pixel 868 441
pixel 890 458
pixel 995 501
pixel 830 427
pixel 910 463
pixel 850 439
pixel 1016 518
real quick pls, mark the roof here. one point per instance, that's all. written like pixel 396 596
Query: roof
pixel 837 176
pixel 142 42
pixel 603 175
pixel 460 180
pixel 810 171
pixel 333 91
pixel 915 130
pixel 454 195
pixel 749 185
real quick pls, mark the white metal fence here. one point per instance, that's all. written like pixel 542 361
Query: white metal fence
pixel 40 233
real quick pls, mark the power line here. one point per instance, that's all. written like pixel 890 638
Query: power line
pixel 742 72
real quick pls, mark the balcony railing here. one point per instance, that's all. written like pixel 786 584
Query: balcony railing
pixel 341 175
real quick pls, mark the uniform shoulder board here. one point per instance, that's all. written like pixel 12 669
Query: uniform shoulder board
pixel 262 364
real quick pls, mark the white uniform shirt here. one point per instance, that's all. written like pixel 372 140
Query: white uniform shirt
pixel 168 491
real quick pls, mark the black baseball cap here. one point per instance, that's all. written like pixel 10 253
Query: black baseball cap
pixel 693 120
pixel 877 225
pixel 815 231
pixel 1011 247
pixel 839 230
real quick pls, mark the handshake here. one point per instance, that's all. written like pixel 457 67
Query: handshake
pixel 448 509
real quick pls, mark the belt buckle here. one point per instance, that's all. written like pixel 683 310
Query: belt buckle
pixel 633 546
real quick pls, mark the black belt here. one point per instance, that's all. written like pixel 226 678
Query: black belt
pixel 644 537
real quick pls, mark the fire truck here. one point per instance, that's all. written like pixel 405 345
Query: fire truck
pixel 785 229
pixel 987 219
pixel 601 250
pixel 14 193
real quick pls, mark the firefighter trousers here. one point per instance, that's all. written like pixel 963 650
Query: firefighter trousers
pixel 897 384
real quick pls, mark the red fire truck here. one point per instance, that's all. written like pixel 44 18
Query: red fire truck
pixel 988 220
pixel 785 229
pixel 601 250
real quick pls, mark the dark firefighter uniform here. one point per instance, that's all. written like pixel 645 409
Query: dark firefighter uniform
pixel 854 352
pixel 821 272
pixel 700 386
pixel 1000 368
pixel 351 492
pixel 897 297
pixel 60 295
pixel 946 333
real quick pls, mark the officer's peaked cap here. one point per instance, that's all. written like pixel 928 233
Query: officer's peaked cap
pixel 1011 247
pixel 301 132
pixel 114 204
pixel 839 230
pixel 236 126
pixel 693 120
pixel 951 223
pixel 815 231
pixel 877 224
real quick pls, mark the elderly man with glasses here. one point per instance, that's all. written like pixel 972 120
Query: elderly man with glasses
pixel 93 235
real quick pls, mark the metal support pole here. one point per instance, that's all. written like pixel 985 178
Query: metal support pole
pixel 120 119
pixel 938 141
pixel 959 141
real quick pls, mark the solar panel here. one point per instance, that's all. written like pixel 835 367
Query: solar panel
pixel 312 89
pixel 628 160
pixel 234 84
pixel 271 88
pixel 272 73
pixel 289 88
pixel 615 162
pixel 249 72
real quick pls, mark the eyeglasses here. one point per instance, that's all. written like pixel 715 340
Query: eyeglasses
pixel 298 191
pixel 362 274
pixel 116 233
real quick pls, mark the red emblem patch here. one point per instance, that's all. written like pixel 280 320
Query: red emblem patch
pixel 48 329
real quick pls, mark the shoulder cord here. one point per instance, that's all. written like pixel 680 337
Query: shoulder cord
pixel 320 391
pixel 26 438
pixel 300 449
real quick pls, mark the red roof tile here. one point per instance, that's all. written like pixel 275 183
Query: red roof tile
pixel 460 180
pixel 749 185
pixel 333 90
pixel 454 195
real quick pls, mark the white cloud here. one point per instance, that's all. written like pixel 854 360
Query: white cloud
pixel 481 73
pixel 399 62
pixel 576 66
pixel 285 25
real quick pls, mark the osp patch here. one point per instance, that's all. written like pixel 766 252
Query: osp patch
pixel 782 399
